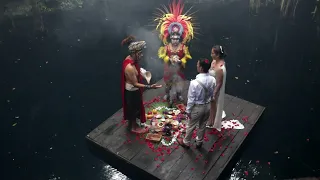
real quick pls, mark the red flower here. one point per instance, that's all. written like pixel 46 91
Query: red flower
pixel 245 118
pixel 206 61
pixel 168 151
pixel 246 173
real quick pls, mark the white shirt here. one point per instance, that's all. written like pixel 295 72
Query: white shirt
pixel 196 93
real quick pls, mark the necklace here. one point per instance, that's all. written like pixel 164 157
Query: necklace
pixel 174 49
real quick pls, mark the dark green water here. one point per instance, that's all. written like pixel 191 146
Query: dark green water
pixel 57 86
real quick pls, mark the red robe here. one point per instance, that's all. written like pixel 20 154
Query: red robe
pixel 168 75
pixel 123 81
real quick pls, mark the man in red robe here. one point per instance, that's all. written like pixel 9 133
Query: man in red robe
pixel 131 86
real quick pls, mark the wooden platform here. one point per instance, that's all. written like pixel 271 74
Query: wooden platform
pixel 130 154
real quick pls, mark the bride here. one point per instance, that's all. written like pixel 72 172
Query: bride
pixel 217 70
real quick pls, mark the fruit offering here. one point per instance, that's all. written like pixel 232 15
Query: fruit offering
pixel 154 111
pixel 160 124
pixel 181 107
pixel 149 116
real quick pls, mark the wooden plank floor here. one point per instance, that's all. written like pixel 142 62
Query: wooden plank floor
pixel 129 154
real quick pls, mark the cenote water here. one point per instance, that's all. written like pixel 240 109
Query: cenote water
pixel 60 64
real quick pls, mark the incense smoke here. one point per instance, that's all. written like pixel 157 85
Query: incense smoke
pixel 109 22
pixel 151 61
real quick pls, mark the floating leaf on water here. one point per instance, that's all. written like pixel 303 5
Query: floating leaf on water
pixel 14 124
pixel 236 77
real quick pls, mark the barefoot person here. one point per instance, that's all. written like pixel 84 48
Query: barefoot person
pixel 219 71
pixel 200 95
pixel 131 86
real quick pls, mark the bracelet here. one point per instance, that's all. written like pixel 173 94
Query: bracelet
pixel 147 86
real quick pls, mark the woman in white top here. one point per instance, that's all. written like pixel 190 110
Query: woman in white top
pixel 217 70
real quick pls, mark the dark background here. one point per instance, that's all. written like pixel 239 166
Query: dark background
pixel 60 82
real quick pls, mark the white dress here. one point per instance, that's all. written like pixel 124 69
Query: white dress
pixel 220 102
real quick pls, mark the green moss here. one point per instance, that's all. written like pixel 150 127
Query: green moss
pixel 26 9
pixel 19 10
pixel 70 4
pixel 42 8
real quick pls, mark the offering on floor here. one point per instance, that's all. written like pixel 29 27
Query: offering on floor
pixel 154 137
pixel 165 122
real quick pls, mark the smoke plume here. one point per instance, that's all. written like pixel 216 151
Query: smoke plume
pixel 151 61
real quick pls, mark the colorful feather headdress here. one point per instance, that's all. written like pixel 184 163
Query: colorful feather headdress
pixel 172 23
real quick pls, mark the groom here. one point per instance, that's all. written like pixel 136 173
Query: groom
pixel 200 94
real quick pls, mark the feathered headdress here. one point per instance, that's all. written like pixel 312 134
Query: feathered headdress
pixel 174 24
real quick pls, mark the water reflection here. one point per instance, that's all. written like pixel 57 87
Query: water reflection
pixel 249 169
pixel 54 177
pixel 109 173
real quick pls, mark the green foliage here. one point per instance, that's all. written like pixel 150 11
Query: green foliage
pixel 41 7
pixel 287 7
pixel 70 4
